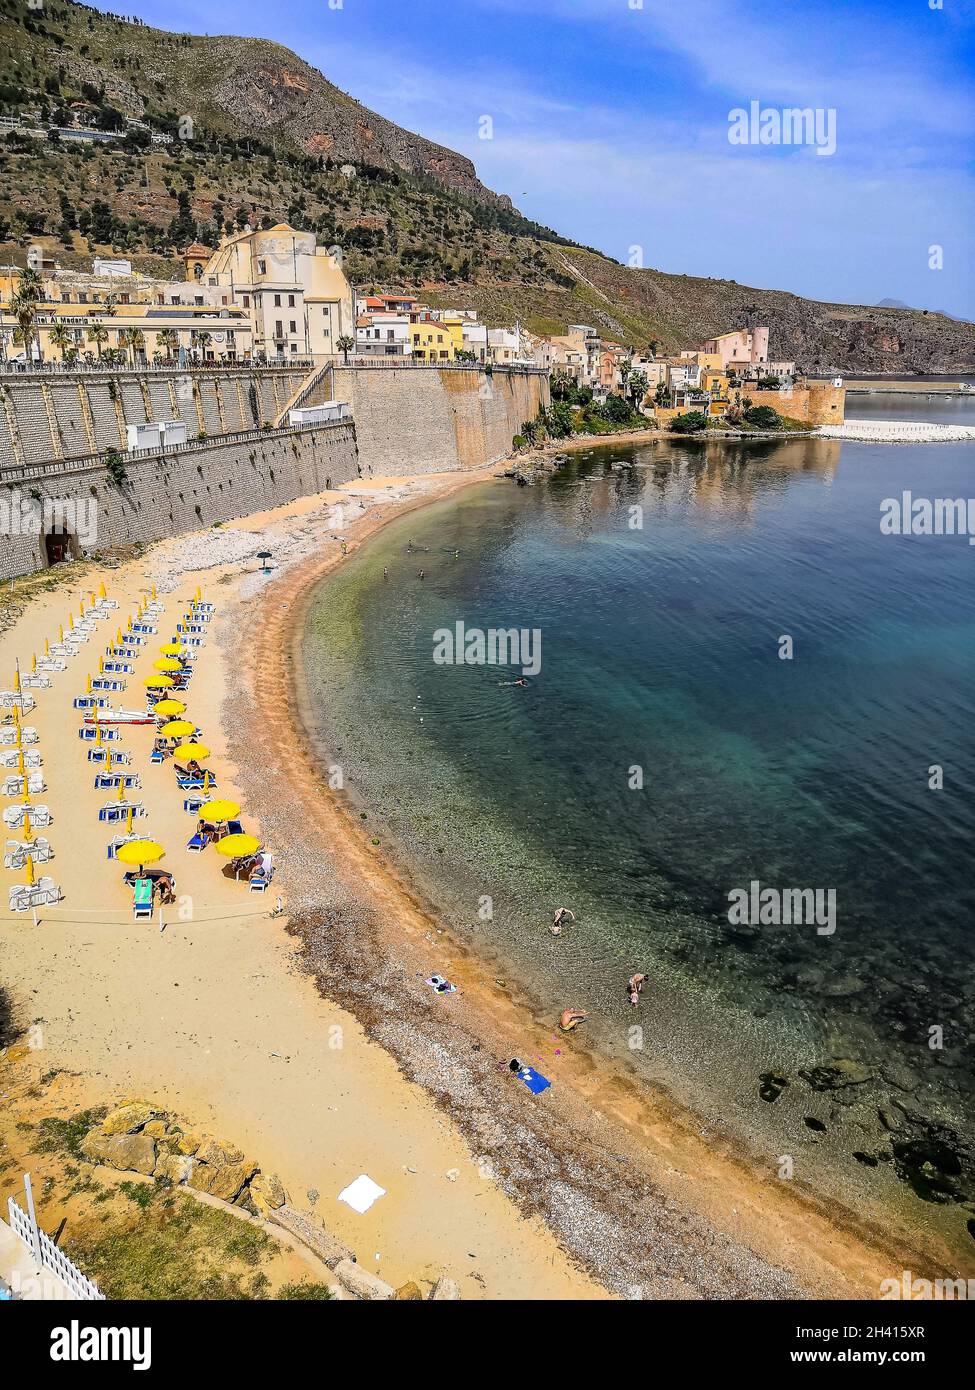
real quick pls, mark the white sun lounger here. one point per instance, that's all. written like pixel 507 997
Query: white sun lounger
pixel 24 896
pixel 13 816
pixel 8 735
pixel 17 853
pixel 10 757
pixel 13 699
pixel 14 786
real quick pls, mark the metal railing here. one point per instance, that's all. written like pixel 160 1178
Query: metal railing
pixel 82 462
pixel 39 370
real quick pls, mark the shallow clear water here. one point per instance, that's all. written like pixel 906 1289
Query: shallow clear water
pixel 660 650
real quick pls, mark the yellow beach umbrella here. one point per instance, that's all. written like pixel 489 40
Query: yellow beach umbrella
pixel 29 866
pixel 219 811
pixel 153 591
pixel 177 728
pixel 159 682
pixel 47 647
pixel 171 649
pixel 101 665
pixel 60 632
pixel 194 752
pixel 20 761
pixel 89 685
pixel 168 663
pixel 28 831
pixel 170 707
pixel 101 590
pixel 81 608
pixel 17 679
pixel 238 846
pixel 140 852
pixel 129 817
pixel 33 662
pixel 71 621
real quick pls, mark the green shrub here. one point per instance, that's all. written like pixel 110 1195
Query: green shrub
pixel 691 422
pixel 763 417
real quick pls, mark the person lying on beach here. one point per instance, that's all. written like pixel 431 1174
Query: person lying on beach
pixel 163 883
pixel 206 831
pixel 635 987
pixel 571 1018
pixel 192 769
pixel 260 866
pixel 562 916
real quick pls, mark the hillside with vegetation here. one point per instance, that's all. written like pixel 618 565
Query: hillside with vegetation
pixel 259 137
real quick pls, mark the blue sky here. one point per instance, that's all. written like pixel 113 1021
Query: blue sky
pixel 611 121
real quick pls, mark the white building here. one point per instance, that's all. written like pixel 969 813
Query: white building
pixel 383 335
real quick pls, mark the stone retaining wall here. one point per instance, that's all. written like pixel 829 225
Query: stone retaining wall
pixel 167 493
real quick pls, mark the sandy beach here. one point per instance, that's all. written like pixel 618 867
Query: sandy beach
pixel 310 1039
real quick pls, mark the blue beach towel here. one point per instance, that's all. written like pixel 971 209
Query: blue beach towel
pixel 534 1080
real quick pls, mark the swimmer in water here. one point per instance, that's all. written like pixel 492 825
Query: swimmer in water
pixel 562 915
pixel 635 987
pixel 506 685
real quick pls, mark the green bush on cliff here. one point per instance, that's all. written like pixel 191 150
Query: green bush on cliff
pixel 763 417
pixel 691 422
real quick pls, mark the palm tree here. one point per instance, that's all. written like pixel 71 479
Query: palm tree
pixel 132 339
pixel 169 339
pixel 204 340
pixel 23 306
pixel 98 335
pixel 345 344
pixel 61 338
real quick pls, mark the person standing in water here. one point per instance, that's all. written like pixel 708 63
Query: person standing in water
pixel 562 916
pixel 635 987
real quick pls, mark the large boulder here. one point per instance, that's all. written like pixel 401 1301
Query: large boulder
pixel 129 1118
pixel 226 1180
pixel 127 1152
pixel 267 1192
pixel 176 1168
pixel 188 1142
pixel 218 1153
pixel 444 1290
pixel 364 1285
pixel 409 1293
pixel 310 1231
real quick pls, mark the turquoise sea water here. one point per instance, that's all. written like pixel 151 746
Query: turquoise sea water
pixel 660 650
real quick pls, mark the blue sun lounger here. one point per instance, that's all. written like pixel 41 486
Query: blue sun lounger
pixel 142 898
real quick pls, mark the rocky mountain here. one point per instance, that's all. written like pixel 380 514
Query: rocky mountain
pixel 258 135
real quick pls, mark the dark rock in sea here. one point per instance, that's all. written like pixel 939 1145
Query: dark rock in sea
pixel 890 1119
pixel 771 1086
pixel 842 1072
pixel 812 1123
pixel 970 1227
pixel 904 1078
pixel 929 1166
pixel 867 1160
